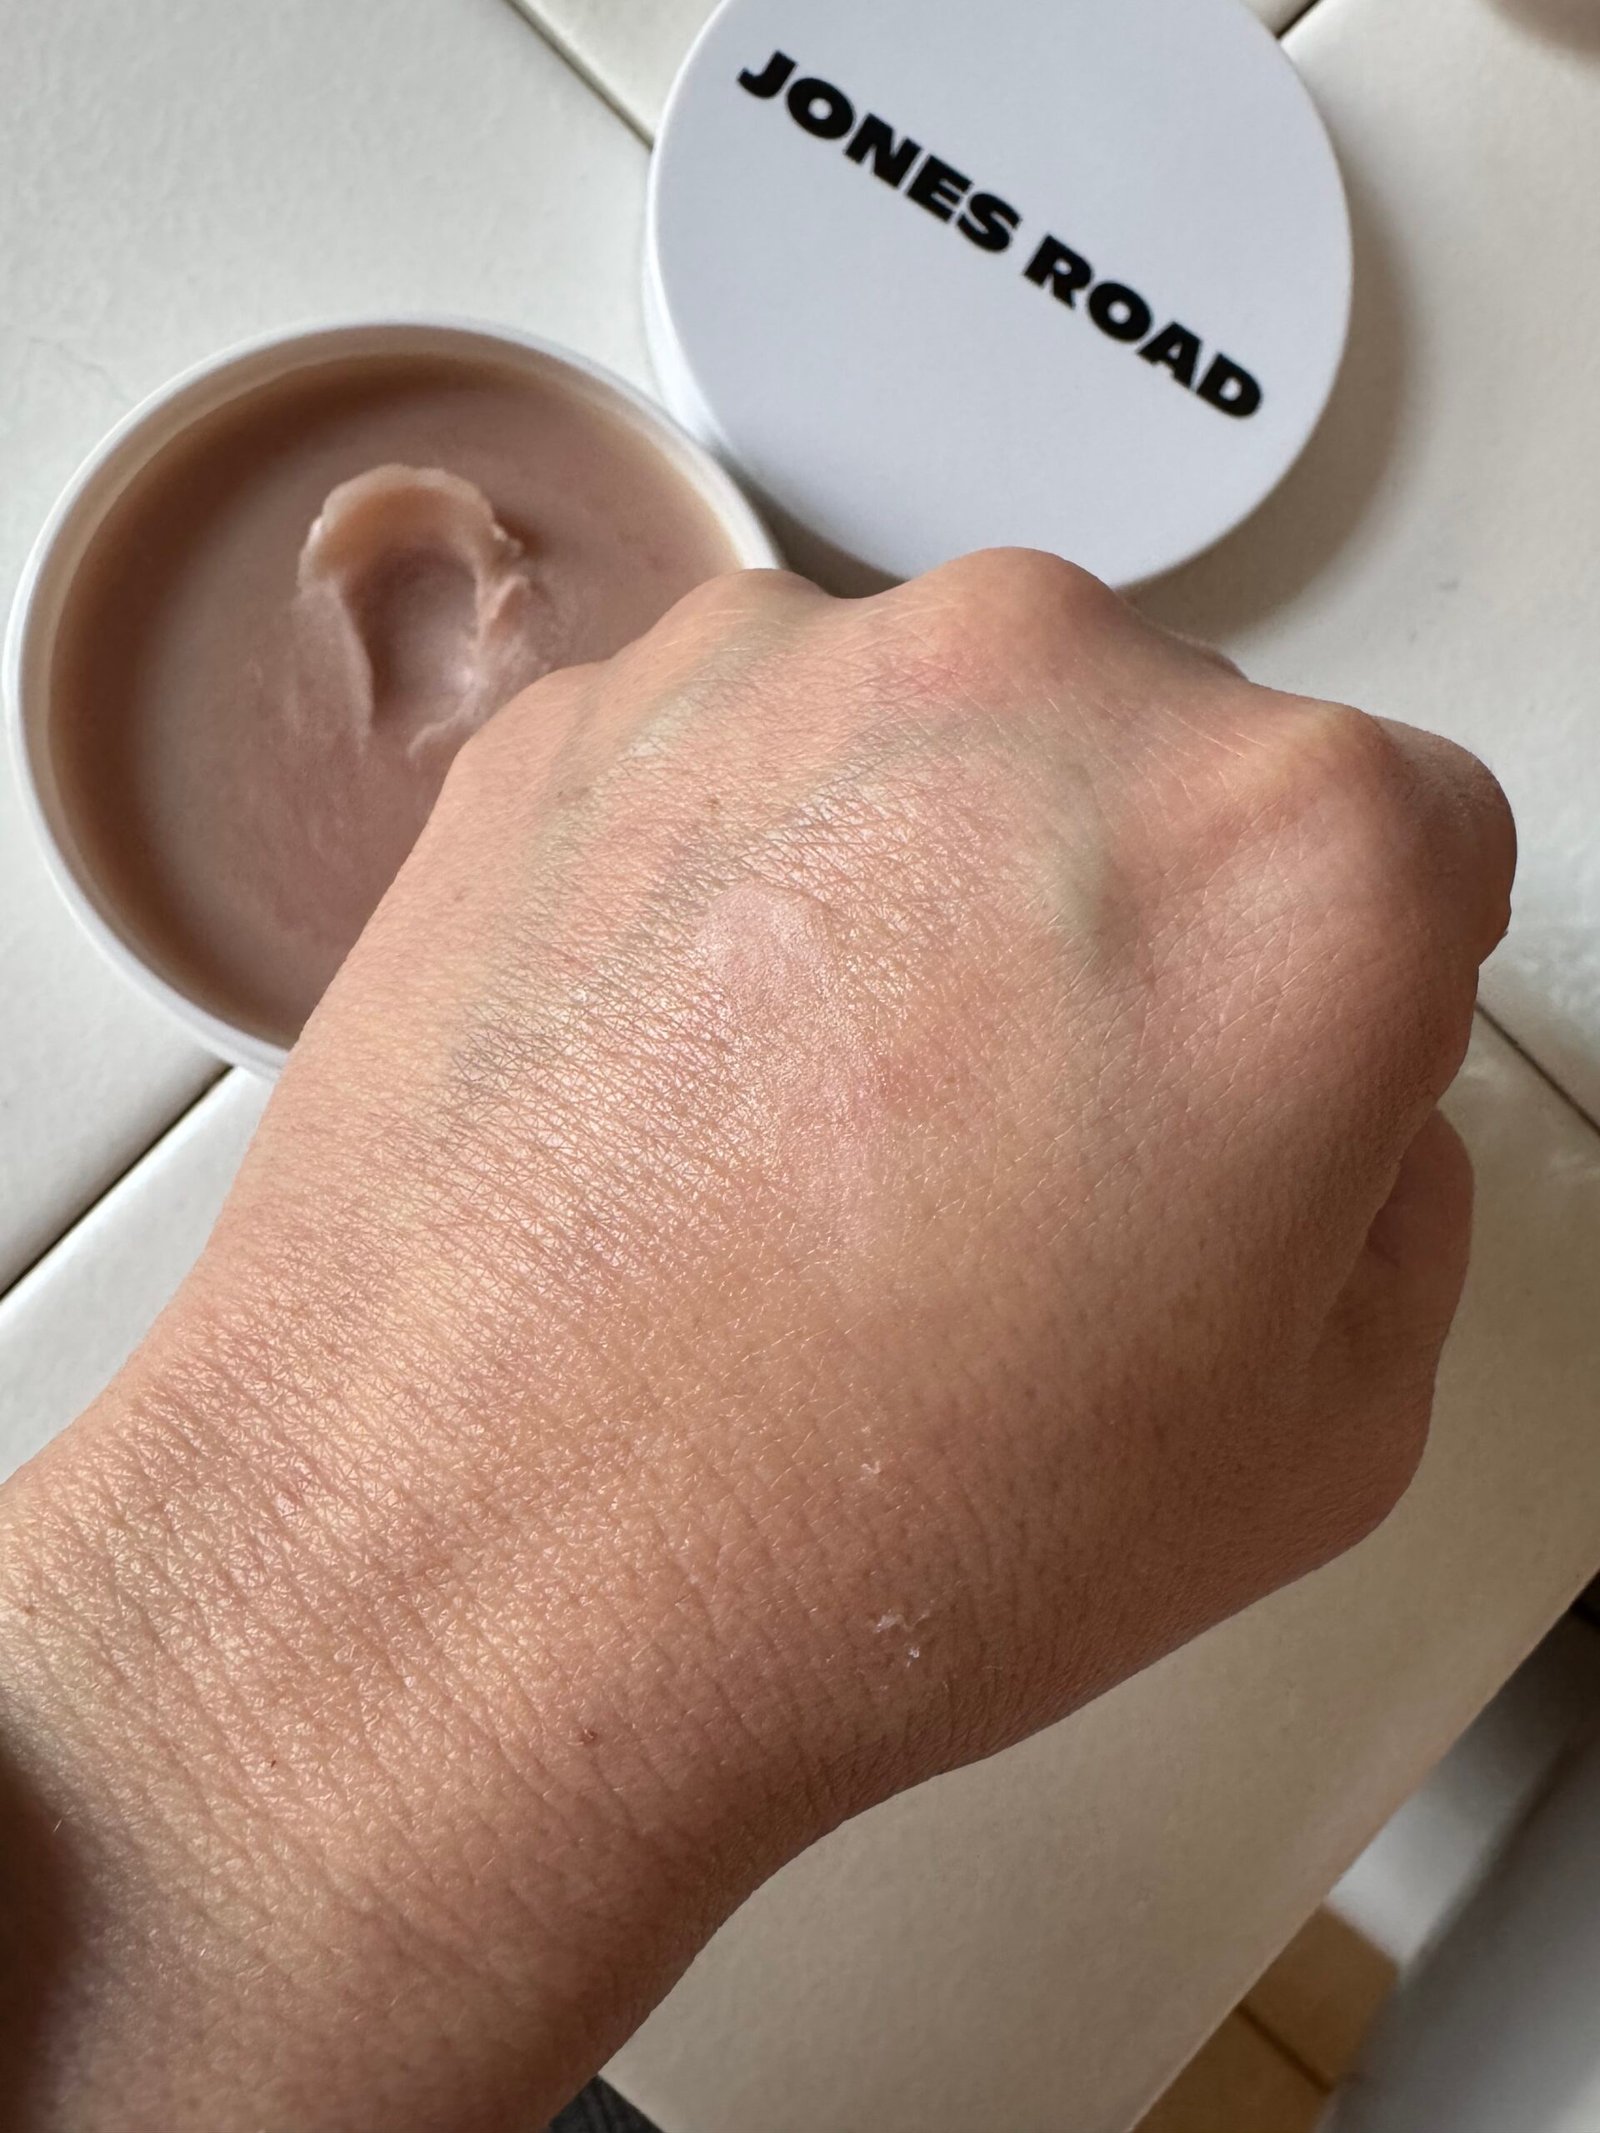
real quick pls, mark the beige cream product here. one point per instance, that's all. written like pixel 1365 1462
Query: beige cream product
pixel 277 598
pixel 289 623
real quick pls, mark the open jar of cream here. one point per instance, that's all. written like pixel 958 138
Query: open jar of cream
pixel 279 598
pixel 1076 278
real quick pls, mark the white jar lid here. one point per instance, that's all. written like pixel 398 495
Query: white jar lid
pixel 936 275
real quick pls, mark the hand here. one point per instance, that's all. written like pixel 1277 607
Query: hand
pixel 877 1170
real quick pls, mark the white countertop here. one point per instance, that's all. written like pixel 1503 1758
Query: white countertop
pixel 1037 1943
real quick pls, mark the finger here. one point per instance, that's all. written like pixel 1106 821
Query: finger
pixel 1379 1357
pixel 1415 1259
pixel 1469 831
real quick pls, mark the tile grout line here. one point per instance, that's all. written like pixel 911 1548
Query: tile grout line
pixel 1556 1088
pixel 569 56
pixel 113 1185
pixel 1247 2014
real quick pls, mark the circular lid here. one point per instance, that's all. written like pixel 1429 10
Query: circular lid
pixel 936 275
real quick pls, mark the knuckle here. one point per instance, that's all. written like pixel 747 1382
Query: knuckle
pixel 1482 800
pixel 1021 587
pixel 1338 814
pixel 1347 747
pixel 741 596
pixel 1338 778
pixel 998 617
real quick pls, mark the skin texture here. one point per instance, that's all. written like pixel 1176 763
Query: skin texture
pixel 877 1170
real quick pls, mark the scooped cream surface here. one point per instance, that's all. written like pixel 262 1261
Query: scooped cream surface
pixel 286 630
pixel 415 613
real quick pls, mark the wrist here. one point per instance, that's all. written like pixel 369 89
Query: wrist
pixel 361 1804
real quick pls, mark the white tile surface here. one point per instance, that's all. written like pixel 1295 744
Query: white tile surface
pixel 88 1074
pixel 1041 1942
pixel 174 178
pixel 1412 1880
pixel 70 1323
pixel 1496 2031
pixel 631 49
pixel 1435 554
